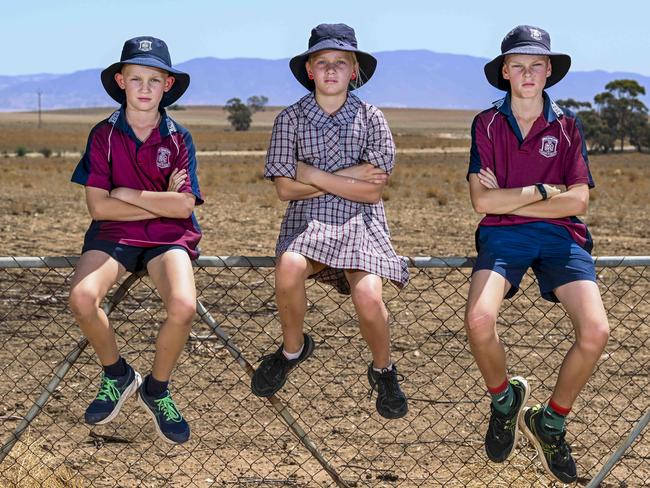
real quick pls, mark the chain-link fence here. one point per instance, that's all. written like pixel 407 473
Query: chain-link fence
pixel 322 427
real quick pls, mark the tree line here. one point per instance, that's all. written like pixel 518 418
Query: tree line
pixel 616 116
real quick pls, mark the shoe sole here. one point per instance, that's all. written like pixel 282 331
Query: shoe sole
pixel 155 423
pixel 133 387
pixel 540 452
pixel 520 413
pixel 257 393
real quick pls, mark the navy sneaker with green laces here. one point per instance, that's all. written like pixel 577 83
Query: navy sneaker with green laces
pixel 169 423
pixel 113 392
pixel 503 430
pixel 553 450
pixel 391 400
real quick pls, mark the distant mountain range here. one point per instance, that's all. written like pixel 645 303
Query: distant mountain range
pixel 406 78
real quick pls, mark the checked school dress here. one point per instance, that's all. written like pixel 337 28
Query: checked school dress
pixel 329 229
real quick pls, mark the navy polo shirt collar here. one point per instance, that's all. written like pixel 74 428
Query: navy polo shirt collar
pixel 551 112
pixel 118 120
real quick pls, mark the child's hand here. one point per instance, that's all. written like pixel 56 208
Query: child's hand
pixel 488 179
pixel 177 179
pixel 365 172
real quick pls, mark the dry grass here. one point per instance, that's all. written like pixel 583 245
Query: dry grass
pixel 31 468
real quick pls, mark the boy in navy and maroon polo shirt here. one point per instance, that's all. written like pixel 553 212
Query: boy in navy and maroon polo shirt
pixel 529 175
pixel 139 171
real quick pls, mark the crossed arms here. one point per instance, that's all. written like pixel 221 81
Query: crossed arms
pixel 360 183
pixel 128 204
pixel 488 198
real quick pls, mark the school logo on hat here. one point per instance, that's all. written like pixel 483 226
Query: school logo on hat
pixel 549 147
pixel 535 34
pixel 145 46
pixel 162 160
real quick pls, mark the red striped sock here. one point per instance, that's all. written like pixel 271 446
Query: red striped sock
pixel 558 409
pixel 499 389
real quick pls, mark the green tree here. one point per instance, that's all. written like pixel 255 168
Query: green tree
pixel 621 108
pixel 239 114
pixel 596 132
pixel 257 103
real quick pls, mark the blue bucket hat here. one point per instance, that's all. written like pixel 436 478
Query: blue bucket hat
pixel 338 37
pixel 145 51
pixel 526 39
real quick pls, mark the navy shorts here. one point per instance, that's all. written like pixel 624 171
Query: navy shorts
pixel 133 258
pixel 555 257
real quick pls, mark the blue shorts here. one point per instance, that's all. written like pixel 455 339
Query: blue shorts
pixel 133 258
pixel 555 257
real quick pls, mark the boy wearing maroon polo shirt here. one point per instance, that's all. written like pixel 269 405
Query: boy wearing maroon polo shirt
pixel 529 175
pixel 139 173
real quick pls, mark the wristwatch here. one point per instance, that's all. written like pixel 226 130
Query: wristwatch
pixel 541 190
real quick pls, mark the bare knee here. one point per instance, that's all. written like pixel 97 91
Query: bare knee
pixel 369 304
pixel 181 310
pixel 594 337
pixel 84 302
pixel 290 270
pixel 480 325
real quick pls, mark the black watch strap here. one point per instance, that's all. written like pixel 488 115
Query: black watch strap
pixel 542 190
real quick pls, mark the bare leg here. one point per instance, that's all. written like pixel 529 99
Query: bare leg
pixel 373 316
pixel 486 293
pixel 173 277
pixel 93 277
pixel 585 308
pixel 291 272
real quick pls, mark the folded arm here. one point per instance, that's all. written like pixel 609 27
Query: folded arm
pixel 572 202
pixel 343 184
pixel 104 207
pixel 171 204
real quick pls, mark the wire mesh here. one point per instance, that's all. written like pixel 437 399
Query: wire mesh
pixel 238 440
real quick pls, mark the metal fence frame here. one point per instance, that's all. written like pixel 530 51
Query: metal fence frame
pixel 276 404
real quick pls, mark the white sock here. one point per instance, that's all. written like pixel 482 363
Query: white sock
pixel 293 355
pixel 379 370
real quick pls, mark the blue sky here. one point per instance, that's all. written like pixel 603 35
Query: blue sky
pixel 62 36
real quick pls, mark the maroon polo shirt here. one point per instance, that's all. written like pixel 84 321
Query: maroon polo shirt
pixel 115 157
pixel 553 152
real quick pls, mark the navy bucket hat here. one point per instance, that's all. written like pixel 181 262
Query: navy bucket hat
pixel 145 51
pixel 339 37
pixel 526 39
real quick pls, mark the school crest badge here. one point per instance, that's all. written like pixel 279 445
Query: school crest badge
pixel 162 160
pixel 535 34
pixel 549 147
pixel 145 46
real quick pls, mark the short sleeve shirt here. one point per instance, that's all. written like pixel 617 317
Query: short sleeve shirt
pixel 553 152
pixel 114 157
pixel 329 229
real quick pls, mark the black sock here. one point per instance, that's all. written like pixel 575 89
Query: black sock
pixel 153 387
pixel 116 369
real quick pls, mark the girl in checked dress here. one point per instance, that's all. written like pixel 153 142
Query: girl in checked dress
pixel 330 156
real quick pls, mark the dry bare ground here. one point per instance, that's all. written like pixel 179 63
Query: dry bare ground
pixel 428 209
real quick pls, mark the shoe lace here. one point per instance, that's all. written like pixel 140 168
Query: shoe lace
pixel 503 425
pixel 390 380
pixel 558 449
pixel 167 407
pixel 108 389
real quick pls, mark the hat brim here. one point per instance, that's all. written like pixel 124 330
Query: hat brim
pixel 181 83
pixel 367 63
pixel 560 64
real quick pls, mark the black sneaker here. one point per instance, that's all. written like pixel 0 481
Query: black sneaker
pixel 553 450
pixel 113 392
pixel 170 424
pixel 503 430
pixel 271 375
pixel 391 400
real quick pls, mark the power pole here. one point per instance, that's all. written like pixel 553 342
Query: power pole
pixel 39 93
